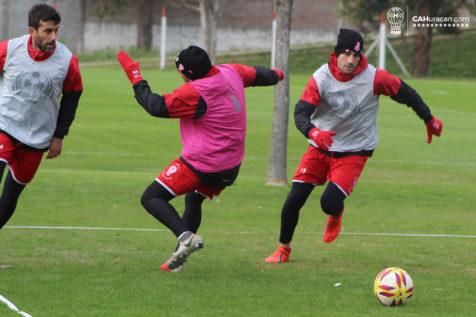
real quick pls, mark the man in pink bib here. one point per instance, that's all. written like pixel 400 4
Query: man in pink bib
pixel 211 107
pixel 337 113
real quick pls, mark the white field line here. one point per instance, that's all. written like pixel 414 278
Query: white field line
pixel 13 307
pixel 387 234
pixel 430 235
pixel 87 228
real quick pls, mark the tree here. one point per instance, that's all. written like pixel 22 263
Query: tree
pixel 432 8
pixel 210 12
pixel 145 23
pixel 279 135
pixel 104 8
pixel 144 16
pixel 365 14
pixel 81 25
pixel 208 25
pixel 421 61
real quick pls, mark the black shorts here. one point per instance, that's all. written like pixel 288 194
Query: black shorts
pixel 216 179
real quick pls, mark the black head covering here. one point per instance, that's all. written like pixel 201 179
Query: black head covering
pixel 193 62
pixel 349 40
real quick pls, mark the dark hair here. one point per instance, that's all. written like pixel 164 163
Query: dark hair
pixel 42 12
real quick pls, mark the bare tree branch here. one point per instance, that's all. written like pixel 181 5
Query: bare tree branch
pixel 188 4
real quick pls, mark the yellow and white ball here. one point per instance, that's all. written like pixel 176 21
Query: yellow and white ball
pixel 393 286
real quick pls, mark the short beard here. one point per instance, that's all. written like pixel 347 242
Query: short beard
pixel 43 48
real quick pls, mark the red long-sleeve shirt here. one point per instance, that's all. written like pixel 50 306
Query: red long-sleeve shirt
pixel 186 102
pixel 384 83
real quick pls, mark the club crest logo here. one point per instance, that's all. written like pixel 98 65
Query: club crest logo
pixel 344 104
pixel 33 86
pixel 357 47
pixel 171 170
pixel 395 16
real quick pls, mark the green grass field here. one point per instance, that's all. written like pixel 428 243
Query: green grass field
pixel 115 150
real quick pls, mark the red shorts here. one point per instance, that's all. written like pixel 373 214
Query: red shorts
pixel 23 162
pixel 179 179
pixel 317 168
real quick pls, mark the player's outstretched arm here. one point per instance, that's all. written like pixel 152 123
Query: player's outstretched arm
pixel 258 75
pixel 153 103
pixel 407 95
pixel 267 76
pixel 390 85
pixel 130 66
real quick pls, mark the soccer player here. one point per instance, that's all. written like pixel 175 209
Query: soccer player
pixel 36 69
pixel 212 111
pixel 337 113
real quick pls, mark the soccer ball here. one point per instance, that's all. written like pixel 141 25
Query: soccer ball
pixel 393 286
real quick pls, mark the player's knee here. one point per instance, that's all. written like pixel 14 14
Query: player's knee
pixel 155 191
pixel 331 206
pixel 144 199
pixel 332 200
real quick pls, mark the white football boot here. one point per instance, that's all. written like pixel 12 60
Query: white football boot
pixel 193 243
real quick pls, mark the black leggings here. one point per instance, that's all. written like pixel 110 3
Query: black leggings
pixel 332 203
pixel 192 215
pixel 156 201
pixel 11 193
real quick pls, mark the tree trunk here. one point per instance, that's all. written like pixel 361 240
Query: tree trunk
pixel 81 26
pixel 422 44
pixel 203 23
pixel 212 28
pixel 145 22
pixel 421 61
pixel 208 25
pixel 279 136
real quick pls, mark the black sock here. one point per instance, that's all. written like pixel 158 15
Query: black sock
pixel 156 201
pixel 290 212
pixel 8 200
pixel 192 216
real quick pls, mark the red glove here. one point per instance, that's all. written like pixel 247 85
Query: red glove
pixel 131 67
pixel 322 138
pixel 279 72
pixel 434 127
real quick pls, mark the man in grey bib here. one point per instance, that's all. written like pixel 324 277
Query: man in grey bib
pixel 337 113
pixel 36 70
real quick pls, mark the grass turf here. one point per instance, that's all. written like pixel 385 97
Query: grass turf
pixel 115 150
